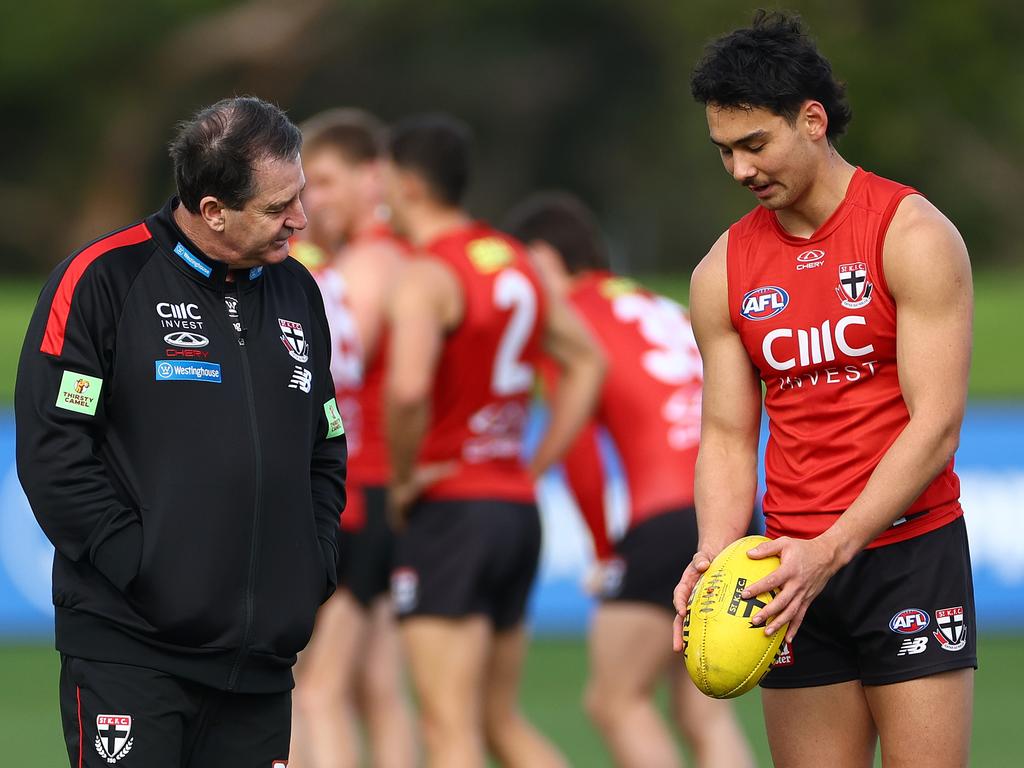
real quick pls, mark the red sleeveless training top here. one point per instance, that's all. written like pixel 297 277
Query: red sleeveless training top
pixel 819 324
pixel 485 376
pixel 650 399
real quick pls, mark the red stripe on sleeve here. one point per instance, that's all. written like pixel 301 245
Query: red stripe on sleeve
pixel 81 736
pixel 60 308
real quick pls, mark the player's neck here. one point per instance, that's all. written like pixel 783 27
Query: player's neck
pixel 369 217
pixel 427 223
pixel 825 193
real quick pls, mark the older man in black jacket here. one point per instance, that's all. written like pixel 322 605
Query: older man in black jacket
pixel 178 439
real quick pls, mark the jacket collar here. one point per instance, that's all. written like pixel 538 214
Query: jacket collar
pixel 189 259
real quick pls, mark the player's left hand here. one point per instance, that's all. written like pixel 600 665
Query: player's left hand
pixel 402 494
pixel 806 567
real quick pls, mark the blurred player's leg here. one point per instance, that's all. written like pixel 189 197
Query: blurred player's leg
pixel 510 736
pixel 447 658
pixel 928 716
pixel 709 725
pixel 324 732
pixel 822 725
pixel 628 655
pixel 390 729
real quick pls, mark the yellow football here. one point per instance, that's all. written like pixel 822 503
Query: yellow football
pixel 725 654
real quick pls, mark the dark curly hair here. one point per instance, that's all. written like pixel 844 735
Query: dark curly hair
pixel 772 64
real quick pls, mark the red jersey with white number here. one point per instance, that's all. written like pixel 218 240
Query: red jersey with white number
pixel 819 324
pixel 486 371
pixel 649 403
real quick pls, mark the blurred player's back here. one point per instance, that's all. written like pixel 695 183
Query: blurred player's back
pixel 486 371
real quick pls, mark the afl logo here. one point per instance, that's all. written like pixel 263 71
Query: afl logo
pixel 762 303
pixel 909 621
pixel 186 339
pixel 810 260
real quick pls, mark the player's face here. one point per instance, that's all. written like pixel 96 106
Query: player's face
pixel 331 196
pixel 258 233
pixel 763 151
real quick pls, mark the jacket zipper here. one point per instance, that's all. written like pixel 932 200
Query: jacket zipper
pixel 258 501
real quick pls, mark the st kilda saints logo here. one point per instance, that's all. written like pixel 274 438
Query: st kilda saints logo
pixel 294 339
pixel 855 287
pixel 113 736
pixel 951 631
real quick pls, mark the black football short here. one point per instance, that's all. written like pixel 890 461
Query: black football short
pixel 134 717
pixel 460 558
pixel 650 558
pixel 893 613
pixel 365 555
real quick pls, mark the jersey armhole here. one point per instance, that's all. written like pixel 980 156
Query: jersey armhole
pixel 733 276
pixel 883 229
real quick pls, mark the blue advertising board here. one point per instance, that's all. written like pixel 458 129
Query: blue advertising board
pixel 990 463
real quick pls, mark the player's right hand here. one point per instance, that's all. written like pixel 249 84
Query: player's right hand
pixel 681 595
pixel 402 494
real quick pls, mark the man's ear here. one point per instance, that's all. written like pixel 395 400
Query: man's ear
pixel 815 119
pixel 212 211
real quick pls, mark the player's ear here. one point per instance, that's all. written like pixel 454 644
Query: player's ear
pixel 814 120
pixel 212 211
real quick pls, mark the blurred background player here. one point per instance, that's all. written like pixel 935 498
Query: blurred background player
pixel 650 405
pixel 353 663
pixel 470 323
pixel 849 296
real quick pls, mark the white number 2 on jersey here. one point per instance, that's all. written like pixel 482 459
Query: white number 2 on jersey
pixel 512 290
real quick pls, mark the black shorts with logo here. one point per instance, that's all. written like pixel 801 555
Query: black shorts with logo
pixel 893 613
pixel 650 558
pixel 135 717
pixel 365 555
pixel 459 558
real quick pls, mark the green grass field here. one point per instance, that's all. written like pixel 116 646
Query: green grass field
pixel 30 734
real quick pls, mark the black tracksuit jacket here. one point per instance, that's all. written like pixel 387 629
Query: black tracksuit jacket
pixel 178 440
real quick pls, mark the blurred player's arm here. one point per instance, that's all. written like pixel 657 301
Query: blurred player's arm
pixel 581 370
pixel 60 408
pixel 425 304
pixel 584 472
pixel 368 269
pixel 928 273
pixel 725 483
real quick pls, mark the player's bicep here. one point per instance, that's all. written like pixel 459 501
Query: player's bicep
pixel 929 275
pixel 732 391
pixel 417 332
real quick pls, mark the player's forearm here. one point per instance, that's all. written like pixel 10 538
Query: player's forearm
pixel 920 452
pixel 572 405
pixel 725 485
pixel 407 422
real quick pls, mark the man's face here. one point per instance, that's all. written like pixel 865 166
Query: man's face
pixel 763 152
pixel 331 196
pixel 258 233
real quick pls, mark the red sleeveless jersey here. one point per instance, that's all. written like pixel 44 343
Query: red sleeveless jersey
pixel 486 372
pixel 819 324
pixel 650 400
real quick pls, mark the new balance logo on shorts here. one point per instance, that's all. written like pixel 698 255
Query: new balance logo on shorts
pixel 913 646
